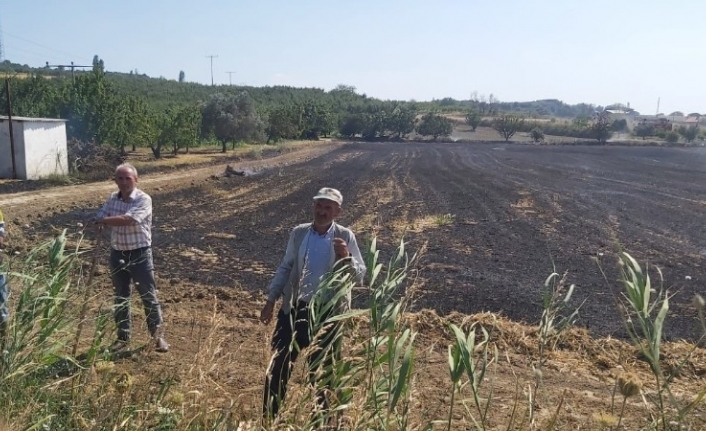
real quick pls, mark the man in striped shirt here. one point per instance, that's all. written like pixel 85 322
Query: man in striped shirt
pixel 128 212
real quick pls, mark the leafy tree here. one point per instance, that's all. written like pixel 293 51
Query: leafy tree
pixel 231 119
pixel 600 129
pixel 282 123
pixel 316 120
pixel 537 134
pixel 374 124
pixel 644 130
pixel 352 125
pixel 676 114
pixel 185 124
pixel 182 76
pixel 508 125
pixel 619 125
pixel 473 119
pixel 581 122
pixel 694 114
pixel 402 121
pixel 688 133
pixel 435 125
pixel 671 137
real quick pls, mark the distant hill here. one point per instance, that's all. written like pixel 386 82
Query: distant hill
pixel 162 93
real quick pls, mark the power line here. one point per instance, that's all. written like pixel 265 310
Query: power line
pixel 230 78
pixel 211 57
pixel 72 66
pixel 44 46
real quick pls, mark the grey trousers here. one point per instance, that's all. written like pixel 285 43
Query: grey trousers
pixel 136 266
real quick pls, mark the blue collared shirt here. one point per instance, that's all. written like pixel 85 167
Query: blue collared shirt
pixel 317 262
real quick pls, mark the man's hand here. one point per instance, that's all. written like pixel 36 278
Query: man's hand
pixel 98 226
pixel 340 248
pixel 266 313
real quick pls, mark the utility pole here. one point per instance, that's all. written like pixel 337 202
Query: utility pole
pixel 9 125
pixel 211 57
pixel 72 66
pixel 230 78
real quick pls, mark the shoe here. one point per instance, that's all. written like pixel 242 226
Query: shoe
pixel 118 346
pixel 161 345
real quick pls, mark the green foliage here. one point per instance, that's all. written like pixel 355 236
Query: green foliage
pixel 473 119
pixel 351 125
pixel 620 125
pixel 282 123
pixel 461 357
pixel 231 119
pixel 402 120
pixel 508 125
pixel 555 304
pixel 315 120
pixel 644 130
pixel 688 133
pixel 489 106
pixel 434 125
pixel 600 128
pixel 671 137
pixel 537 134
pixel 185 126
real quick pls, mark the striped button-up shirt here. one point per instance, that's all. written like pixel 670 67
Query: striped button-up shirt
pixel 2 225
pixel 139 207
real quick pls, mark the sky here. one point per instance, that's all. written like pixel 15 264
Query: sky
pixel 599 52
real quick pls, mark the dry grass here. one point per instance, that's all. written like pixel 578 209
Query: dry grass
pixel 144 161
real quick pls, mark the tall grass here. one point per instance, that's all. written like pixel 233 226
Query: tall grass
pixel 373 385
pixel 645 308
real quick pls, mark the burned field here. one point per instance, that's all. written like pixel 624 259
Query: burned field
pixel 494 221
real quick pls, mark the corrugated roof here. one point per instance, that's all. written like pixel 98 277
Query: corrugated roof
pixel 36 120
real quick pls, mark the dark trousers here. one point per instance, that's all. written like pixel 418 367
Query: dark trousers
pixel 290 336
pixel 136 266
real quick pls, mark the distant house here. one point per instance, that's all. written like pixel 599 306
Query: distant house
pixel 658 122
pixel 39 148
pixel 692 120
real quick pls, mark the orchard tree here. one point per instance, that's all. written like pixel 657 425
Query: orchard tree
pixel 643 130
pixel 185 123
pixel 537 135
pixel 672 137
pixel 688 133
pixel 508 125
pixel 473 119
pixel 600 128
pixel 435 125
pixel 231 119
pixel 352 125
pixel 402 121
pixel 282 123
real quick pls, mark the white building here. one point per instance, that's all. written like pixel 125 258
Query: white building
pixel 40 147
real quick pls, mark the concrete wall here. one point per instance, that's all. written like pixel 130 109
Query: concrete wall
pixel 45 149
pixel 40 149
pixel 6 155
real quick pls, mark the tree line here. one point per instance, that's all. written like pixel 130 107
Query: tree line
pixel 103 108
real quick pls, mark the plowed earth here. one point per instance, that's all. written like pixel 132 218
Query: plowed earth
pixel 493 222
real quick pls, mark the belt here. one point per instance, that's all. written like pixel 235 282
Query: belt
pixel 129 252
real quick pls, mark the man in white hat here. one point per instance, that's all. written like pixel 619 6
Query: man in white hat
pixel 313 251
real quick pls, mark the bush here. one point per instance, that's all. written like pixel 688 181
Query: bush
pixel 672 137
pixel 92 161
pixel 537 135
